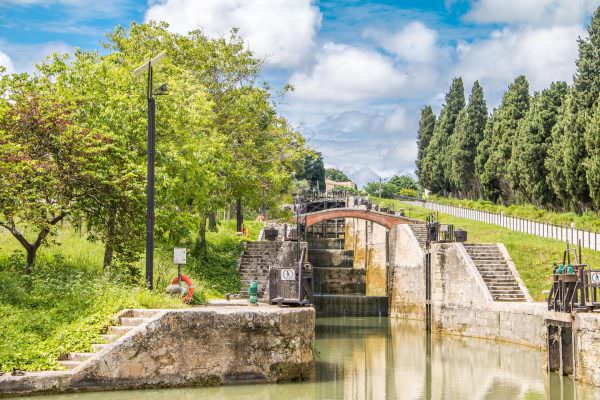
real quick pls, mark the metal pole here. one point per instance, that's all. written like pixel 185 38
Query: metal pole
pixel 150 184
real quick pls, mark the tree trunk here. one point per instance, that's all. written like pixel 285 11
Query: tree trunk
pixel 212 221
pixel 109 248
pixel 200 245
pixel 31 253
pixel 239 215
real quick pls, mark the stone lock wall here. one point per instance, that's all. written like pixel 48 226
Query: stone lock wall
pixel 368 241
pixel 199 346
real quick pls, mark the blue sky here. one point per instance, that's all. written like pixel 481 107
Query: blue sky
pixel 362 69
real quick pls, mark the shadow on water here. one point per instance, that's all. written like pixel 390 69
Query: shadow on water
pixel 377 358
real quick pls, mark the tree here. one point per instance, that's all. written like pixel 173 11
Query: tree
pixel 468 133
pixel 426 128
pixel 587 78
pixel 314 171
pixel 530 151
pixel 222 141
pixel 47 161
pixel 384 190
pixel 437 162
pixel 403 182
pixel 487 184
pixel 592 163
pixel 515 104
pixel 336 175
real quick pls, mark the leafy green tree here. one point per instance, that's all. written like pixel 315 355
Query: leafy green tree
pixel 468 133
pixel 514 106
pixel 336 175
pixel 403 182
pixel 437 163
pixel 382 189
pixel 47 162
pixel 527 166
pixel 314 171
pixel 426 128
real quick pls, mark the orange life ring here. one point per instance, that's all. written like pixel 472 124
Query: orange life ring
pixel 187 280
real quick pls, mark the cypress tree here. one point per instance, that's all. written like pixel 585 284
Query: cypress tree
pixel 515 104
pixel 527 168
pixel 468 133
pixel 437 164
pixel 573 140
pixel 426 127
pixel 592 142
pixel 587 78
pixel 482 156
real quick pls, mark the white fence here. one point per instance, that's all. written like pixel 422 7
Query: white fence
pixel 588 239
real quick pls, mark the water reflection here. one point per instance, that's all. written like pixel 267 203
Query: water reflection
pixel 377 358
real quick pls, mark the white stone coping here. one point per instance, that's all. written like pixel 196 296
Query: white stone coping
pixel 514 271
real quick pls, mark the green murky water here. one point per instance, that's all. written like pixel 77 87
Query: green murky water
pixel 377 358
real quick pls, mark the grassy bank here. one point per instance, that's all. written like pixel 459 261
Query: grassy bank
pixel 533 256
pixel 68 301
pixel 588 220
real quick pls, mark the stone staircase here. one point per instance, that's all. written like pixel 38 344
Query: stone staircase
pixel 496 274
pixel 126 321
pixel 255 262
pixel 420 232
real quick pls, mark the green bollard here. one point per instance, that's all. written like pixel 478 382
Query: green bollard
pixel 570 270
pixel 253 292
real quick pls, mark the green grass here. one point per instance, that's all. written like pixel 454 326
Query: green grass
pixel 589 220
pixel 68 302
pixel 533 256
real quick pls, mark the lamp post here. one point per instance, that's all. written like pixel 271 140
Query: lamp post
pixel 151 159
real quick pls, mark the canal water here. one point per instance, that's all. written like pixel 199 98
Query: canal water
pixel 378 358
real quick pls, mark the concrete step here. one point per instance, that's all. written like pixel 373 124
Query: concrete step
pixel 77 356
pixel 487 257
pixel 109 338
pixel 119 330
pixel 499 281
pixel 132 321
pixel 141 313
pixel 68 364
pixel 99 346
pixel 509 299
pixel 501 292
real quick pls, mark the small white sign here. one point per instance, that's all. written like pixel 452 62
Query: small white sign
pixel 288 274
pixel 179 255
pixel 595 278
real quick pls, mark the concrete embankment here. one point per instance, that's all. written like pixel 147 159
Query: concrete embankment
pixel 465 301
pixel 201 346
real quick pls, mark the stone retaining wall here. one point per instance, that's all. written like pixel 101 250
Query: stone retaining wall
pixel 462 305
pixel 199 346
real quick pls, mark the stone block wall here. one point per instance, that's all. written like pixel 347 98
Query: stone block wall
pixel 199 346
pixel 339 281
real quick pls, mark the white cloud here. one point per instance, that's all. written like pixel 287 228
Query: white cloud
pixel 543 55
pixel 344 73
pixel 539 12
pixel 397 121
pixel 6 62
pixel 22 57
pixel 414 43
pixel 282 31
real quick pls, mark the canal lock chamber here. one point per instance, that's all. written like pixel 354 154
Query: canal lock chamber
pixel 340 281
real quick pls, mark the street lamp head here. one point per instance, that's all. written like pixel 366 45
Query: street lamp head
pixel 154 61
